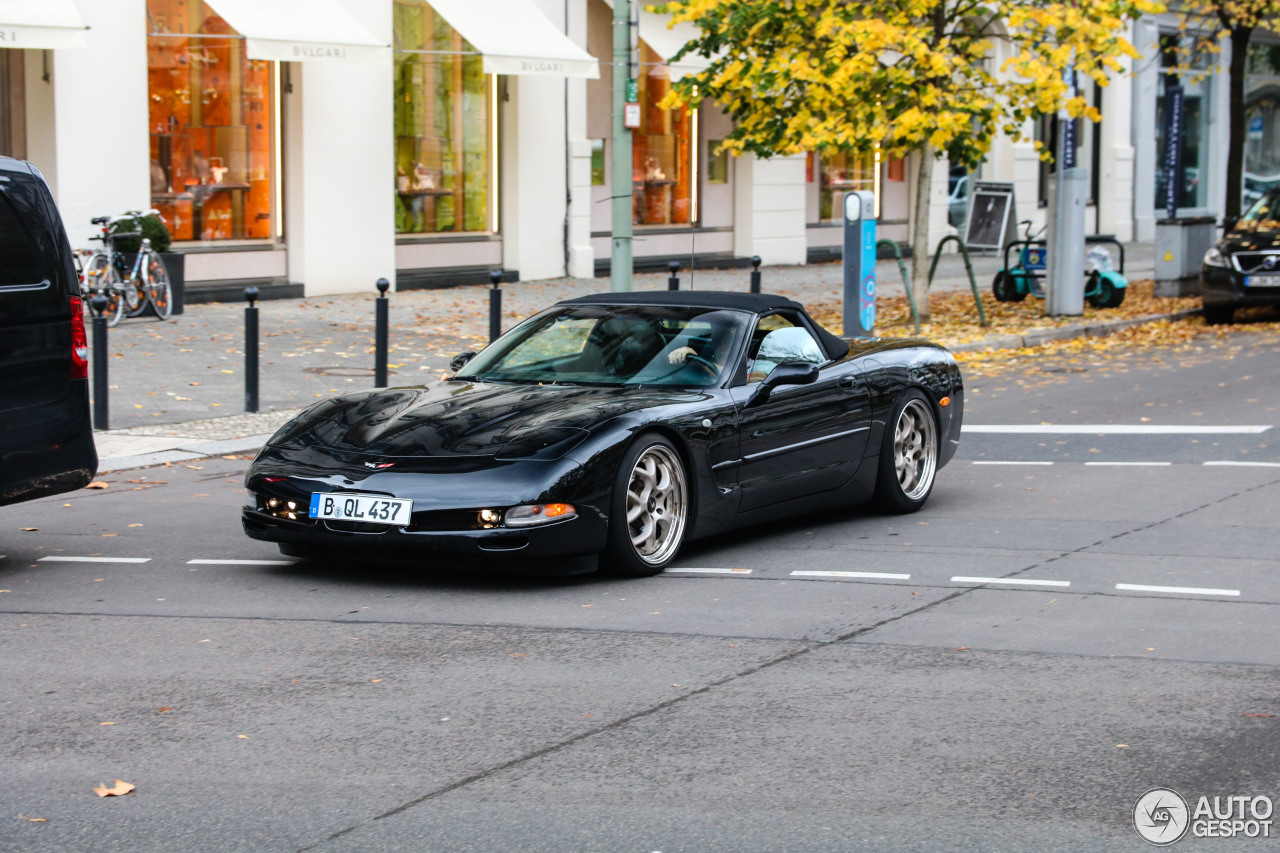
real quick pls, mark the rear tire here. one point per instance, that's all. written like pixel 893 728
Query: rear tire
pixel 1216 315
pixel 649 510
pixel 908 456
pixel 1005 288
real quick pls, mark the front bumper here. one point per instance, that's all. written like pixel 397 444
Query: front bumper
pixel 1225 286
pixel 560 546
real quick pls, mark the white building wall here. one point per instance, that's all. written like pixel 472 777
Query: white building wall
pixel 344 171
pixel 581 253
pixel 769 209
pixel 100 146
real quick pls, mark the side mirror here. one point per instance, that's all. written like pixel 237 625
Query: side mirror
pixel 460 360
pixel 1229 222
pixel 787 373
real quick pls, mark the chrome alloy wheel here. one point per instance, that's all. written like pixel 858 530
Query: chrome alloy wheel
pixel 657 503
pixel 915 449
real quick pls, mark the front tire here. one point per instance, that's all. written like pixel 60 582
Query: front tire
pixel 649 510
pixel 159 291
pixel 1005 288
pixel 908 456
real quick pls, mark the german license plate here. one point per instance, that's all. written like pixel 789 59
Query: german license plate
pixel 1264 280
pixel 352 506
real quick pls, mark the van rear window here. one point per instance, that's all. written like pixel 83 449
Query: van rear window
pixel 21 266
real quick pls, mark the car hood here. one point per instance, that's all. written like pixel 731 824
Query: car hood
pixel 465 419
pixel 1242 240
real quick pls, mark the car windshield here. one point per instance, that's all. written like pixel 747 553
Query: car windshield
pixel 615 345
pixel 1265 213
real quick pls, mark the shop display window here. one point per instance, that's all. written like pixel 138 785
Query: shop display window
pixel 444 120
pixel 212 121
pixel 840 173
pixel 661 150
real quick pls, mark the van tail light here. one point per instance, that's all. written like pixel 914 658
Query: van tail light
pixel 79 341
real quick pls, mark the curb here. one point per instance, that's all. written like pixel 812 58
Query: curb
pixel 1037 337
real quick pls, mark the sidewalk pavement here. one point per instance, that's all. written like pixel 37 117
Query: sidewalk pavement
pixel 173 386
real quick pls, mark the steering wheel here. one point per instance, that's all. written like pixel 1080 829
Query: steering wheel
pixel 705 365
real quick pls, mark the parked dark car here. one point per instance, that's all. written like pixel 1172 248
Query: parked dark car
pixel 619 424
pixel 1242 269
pixel 46 435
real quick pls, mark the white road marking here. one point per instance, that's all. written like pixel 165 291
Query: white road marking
pixel 875 575
pixel 1134 587
pixel 993 462
pixel 93 560
pixel 1246 464
pixel 1020 581
pixel 1115 429
pixel 710 571
pixel 241 562
pixel 1130 464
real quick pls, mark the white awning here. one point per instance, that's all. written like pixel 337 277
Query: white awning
pixel 301 31
pixel 666 40
pixel 514 37
pixel 41 24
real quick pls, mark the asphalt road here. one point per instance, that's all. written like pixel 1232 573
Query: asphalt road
pixel 1074 619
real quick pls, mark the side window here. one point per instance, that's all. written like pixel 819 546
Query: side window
pixel 20 263
pixel 778 339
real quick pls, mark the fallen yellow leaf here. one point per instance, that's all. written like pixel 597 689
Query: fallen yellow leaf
pixel 120 788
pixel 98 484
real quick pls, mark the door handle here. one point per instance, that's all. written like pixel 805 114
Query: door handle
pixel 848 381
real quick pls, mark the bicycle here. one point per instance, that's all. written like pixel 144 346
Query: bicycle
pixel 128 289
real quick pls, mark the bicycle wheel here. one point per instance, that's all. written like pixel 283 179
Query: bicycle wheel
pixel 101 277
pixel 158 289
pixel 133 287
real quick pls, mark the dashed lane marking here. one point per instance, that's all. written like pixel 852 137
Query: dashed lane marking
pixel 1130 464
pixel 1018 581
pixel 1189 590
pixel 1233 464
pixel 1114 429
pixel 708 571
pixel 1010 462
pixel 871 575
pixel 241 562
pixel 94 560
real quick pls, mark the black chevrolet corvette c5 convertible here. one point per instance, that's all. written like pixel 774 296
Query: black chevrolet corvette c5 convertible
pixel 619 425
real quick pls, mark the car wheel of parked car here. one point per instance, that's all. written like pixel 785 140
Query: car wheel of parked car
pixel 1006 289
pixel 1216 315
pixel 908 456
pixel 650 509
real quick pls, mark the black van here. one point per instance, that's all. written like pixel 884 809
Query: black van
pixel 46 435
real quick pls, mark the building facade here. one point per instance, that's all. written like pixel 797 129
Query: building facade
pixel 311 147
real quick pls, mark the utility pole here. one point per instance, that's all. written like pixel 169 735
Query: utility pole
pixel 620 258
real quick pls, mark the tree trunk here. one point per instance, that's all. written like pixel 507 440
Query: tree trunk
pixel 920 233
pixel 1236 120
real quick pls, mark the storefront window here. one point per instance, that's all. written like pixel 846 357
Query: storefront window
pixel 1195 130
pixel 841 173
pixel 662 153
pixel 444 119
pixel 1262 122
pixel 212 121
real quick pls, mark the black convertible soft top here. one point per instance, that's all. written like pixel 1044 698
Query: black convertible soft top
pixel 756 303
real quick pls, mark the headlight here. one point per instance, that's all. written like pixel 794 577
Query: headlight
pixel 1213 258
pixel 535 514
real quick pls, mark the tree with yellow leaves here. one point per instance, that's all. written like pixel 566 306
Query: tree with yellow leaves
pixel 902 76
pixel 1207 24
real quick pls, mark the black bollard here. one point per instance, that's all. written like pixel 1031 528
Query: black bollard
pixel 99 304
pixel 673 283
pixel 251 350
pixel 495 306
pixel 755 273
pixel 381 312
